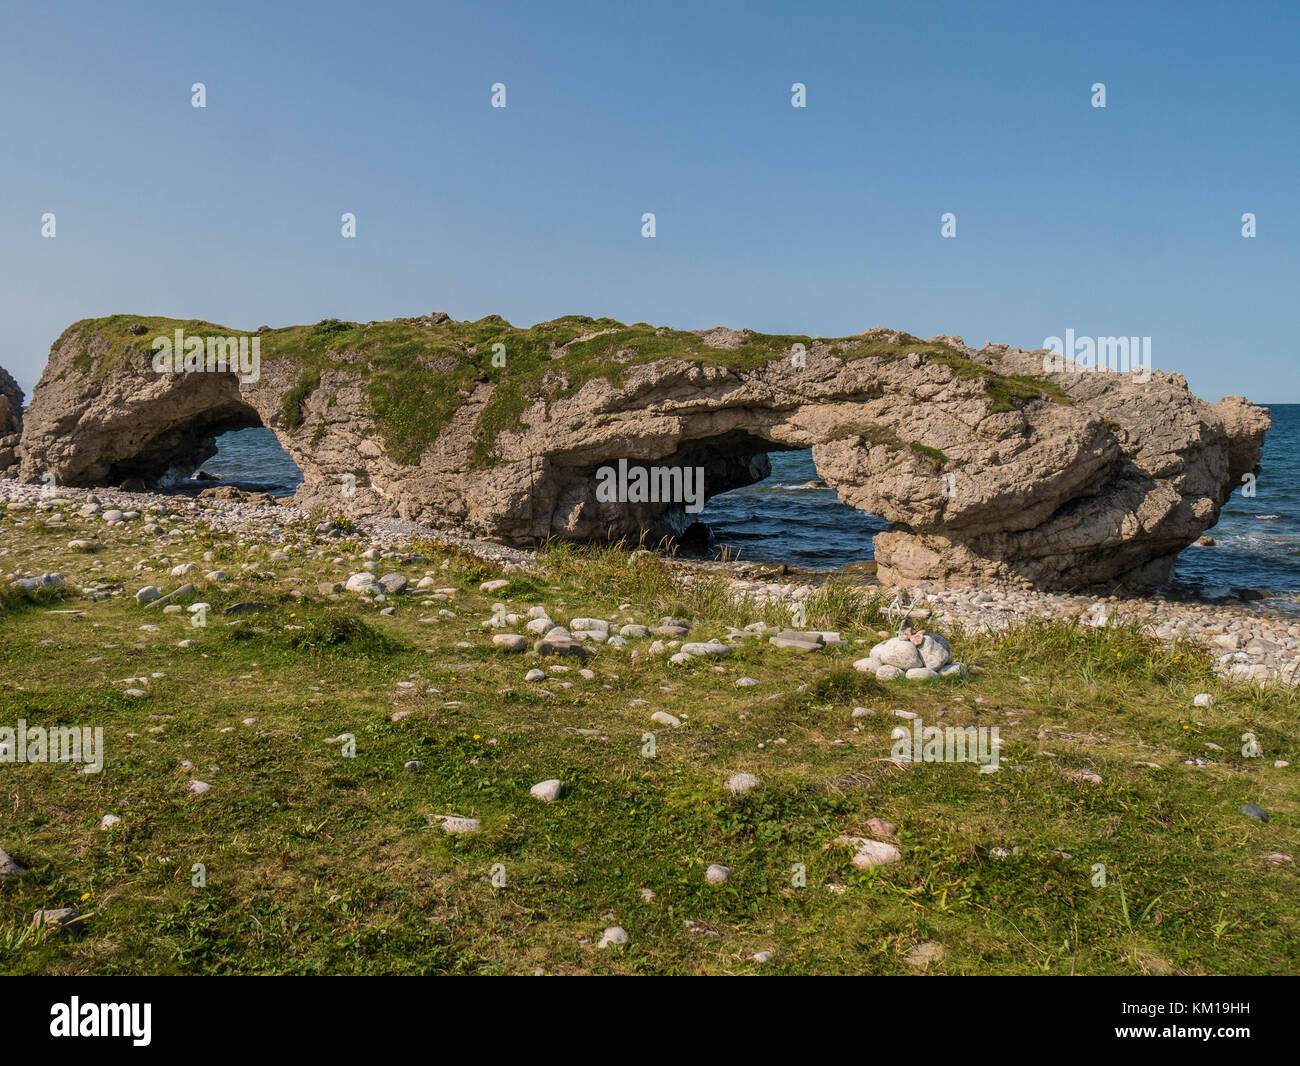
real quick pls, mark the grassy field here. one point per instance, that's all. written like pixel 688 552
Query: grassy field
pixel 321 863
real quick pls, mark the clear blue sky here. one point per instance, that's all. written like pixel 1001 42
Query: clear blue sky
pixel 825 220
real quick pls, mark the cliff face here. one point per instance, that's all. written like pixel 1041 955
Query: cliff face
pixel 990 469
pixel 11 422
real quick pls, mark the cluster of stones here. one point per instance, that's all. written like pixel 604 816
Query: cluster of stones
pixel 551 638
pixel 247 521
pixel 1252 643
pixel 924 658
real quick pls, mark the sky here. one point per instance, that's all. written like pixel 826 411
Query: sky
pixel 822 220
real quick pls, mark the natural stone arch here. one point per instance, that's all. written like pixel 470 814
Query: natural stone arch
pixel 987 468
pixel 164 434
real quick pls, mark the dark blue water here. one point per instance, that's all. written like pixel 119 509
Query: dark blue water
pixel 1257 540
pixel 782 519
pixel 252 459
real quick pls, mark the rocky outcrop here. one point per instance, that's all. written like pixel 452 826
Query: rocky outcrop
pixel 11 422
pixel 989 469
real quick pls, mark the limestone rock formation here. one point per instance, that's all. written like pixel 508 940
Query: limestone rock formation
pixel 989 469
pixel 11 422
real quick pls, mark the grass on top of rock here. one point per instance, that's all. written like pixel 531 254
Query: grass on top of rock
pixel 936 457
pixel 872 433
pixel 316 862
pixel 417 375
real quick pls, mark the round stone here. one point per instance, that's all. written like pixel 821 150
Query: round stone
pixel 739 784
pixel 613 936
pixel 546 791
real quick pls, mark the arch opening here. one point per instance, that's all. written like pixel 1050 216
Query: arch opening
pixel 789 517
pixel 167 456
pixel 249 458
pixel 225 444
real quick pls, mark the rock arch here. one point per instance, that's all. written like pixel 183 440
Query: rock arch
pixel 165 433
pixel 988 469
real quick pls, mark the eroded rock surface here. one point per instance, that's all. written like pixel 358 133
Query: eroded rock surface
pixel 11 422
pixel 989 469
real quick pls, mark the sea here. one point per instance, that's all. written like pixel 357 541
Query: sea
pixel 789 518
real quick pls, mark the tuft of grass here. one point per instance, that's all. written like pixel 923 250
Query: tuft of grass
pixel 1006 391
pixel 1117 651
pixel 291 405
pixel 339 631
pixel 936 457
pixel 344 523
pixel 871 433
pixel 15 600
pixel 841 605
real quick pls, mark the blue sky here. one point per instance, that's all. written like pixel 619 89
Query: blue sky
pixel 823 220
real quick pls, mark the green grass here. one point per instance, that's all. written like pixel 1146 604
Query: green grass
pixel 319 863
pixel 291 407
pixel 19 601
pixel 936 457
pixel 871 433
pixel 417 376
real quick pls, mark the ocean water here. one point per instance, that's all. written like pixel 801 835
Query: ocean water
pixel 783 519
pixel 1257 540
pixel 252 459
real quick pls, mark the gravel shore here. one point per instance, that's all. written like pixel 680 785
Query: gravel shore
pixel 1252 644
pixel 265 521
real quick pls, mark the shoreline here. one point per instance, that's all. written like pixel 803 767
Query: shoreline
pixel 1250 643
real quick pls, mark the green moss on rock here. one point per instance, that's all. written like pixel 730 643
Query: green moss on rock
pixel 936 457
pixel 417 374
